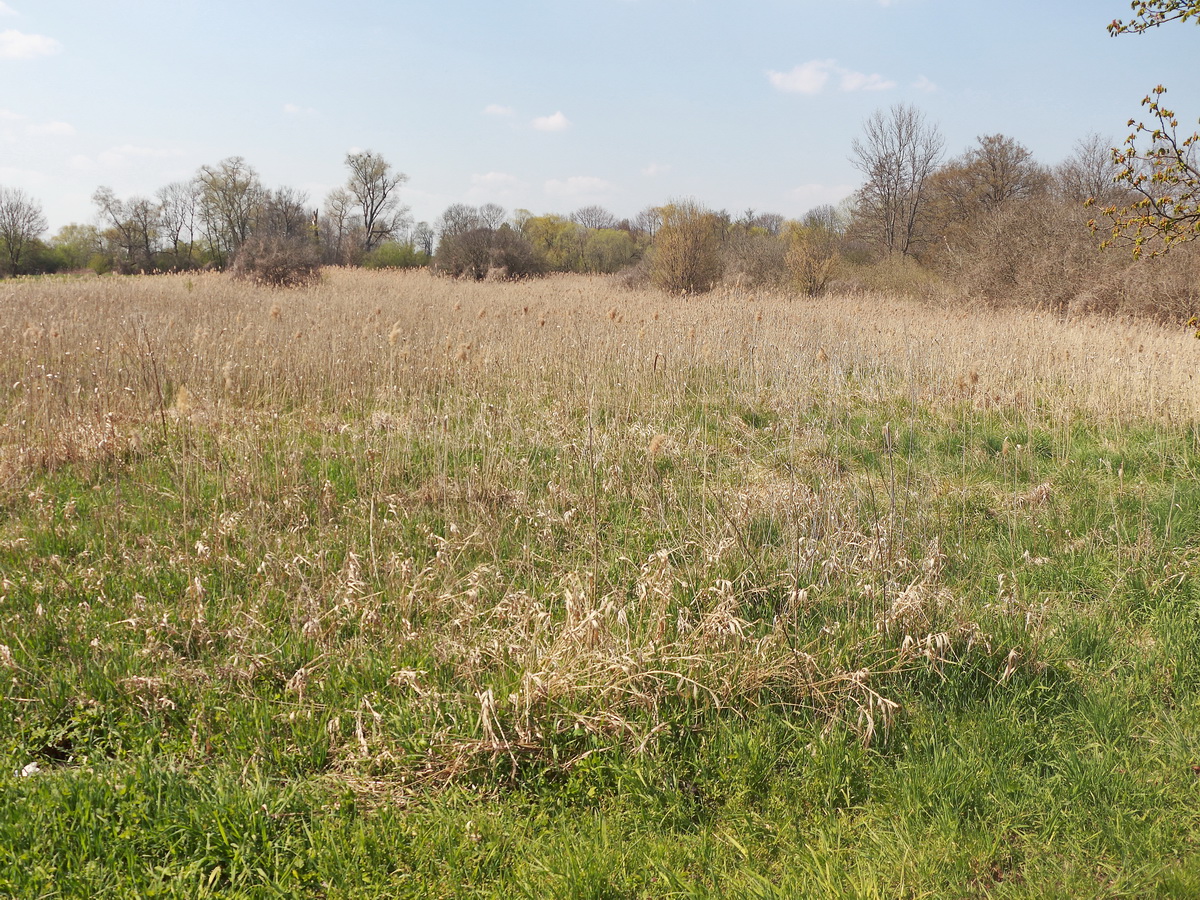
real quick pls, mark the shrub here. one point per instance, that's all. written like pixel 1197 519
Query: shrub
pixel 483 252
pixel 755 258
pixel 686 257
pixel 277 261
pixel 394 255
pixel 810 258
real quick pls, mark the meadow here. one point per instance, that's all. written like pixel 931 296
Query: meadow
pixel 403 586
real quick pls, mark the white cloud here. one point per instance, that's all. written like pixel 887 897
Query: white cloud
pixel 655 169
pixel 813 76
pixel 807 78
pixel 859 81
pixel 293 109
pixel 7 115
pixel 6 10
pixel 51 129
pixel 556 122
pixel 495 109
pixel 924 84
pixel 579 186
pixel 18 45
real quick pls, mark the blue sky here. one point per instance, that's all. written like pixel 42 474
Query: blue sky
pixel 552 104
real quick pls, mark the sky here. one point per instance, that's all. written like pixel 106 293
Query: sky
pixel 550 105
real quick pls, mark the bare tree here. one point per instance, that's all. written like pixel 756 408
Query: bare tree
pixel 177 218
pixel 492 215
pixel 897 153
pixel 133 227
pixel 423 238
pixel 594 218
pixel 1002 169
pixel 285 213
pixel 375 186
pixel 648 221
pixel 458 218
pixel 1090 173
pixel 341 223
pixel 826 217
pixel 231 197
pixel 21 222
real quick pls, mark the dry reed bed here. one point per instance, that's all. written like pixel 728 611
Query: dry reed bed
pixel 380 367
pixel 86 348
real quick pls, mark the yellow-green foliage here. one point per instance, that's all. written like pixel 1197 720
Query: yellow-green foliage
pixel 686 258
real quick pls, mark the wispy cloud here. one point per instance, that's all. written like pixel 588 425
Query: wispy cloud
pixel 924 84
pixel 655 169
pixel 18 45
pixel 10 121
pixel 815 75
pixel 294 109
pixel 496 109
pixel 579 186
pixel 6 10
pixel 556 122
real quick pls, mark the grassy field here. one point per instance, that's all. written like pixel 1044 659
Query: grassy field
pixel 397 586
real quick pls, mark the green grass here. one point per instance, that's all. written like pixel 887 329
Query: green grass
pixel 840 645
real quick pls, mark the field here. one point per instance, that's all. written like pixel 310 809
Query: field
pixel 399 586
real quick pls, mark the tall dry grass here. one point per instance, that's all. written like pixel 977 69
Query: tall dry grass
pixel 96 359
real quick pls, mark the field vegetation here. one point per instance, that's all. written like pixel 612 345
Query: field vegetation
pixel 394 585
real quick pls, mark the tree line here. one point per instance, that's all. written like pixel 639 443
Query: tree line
pixel 991 220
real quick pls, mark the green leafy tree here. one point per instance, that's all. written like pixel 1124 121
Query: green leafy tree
pixel 608 250
pixel 556 241
pixel 1158 162
pixel 76 244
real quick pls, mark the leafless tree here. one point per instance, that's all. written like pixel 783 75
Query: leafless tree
pixel 594 218
pixel 132 226
pixel 21 222
pixel 1090 173
pixel 375 186
pixel 492 215
pixel 423 238
pixel 177 218
pixel 826 217
pixel 648 221
pixel 1001 169
pixel 458 218
pixel 897 153
pixel 231 197
pixel 285 213
pixel 340 225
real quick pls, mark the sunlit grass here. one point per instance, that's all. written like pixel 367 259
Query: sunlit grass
pixel 397 586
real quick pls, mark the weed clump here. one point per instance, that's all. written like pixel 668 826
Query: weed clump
pixel 275 261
